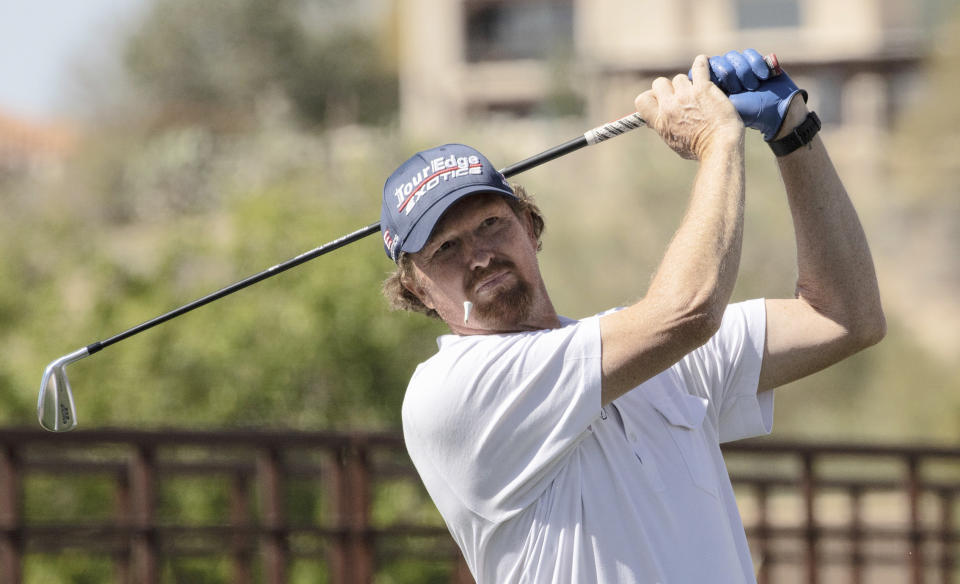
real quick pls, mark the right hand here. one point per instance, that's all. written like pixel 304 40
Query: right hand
pixel 691 115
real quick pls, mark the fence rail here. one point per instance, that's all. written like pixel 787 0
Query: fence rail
pixel 350 506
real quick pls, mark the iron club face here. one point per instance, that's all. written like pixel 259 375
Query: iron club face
pixel 55 408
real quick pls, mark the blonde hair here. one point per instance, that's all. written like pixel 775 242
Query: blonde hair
pixel 400 298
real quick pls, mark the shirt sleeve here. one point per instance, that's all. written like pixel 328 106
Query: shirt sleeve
pixel 496 416
pixel 726 371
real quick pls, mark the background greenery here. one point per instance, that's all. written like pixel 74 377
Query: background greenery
pixel 250 131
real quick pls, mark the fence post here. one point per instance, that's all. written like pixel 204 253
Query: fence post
pixel 11 525
pixel 916 538
pixel 143 476
pixel 856 535
pixel 763 534
pixel 811 534
pixel 274 541
pixel 124 522
pixel 358 519
pixel 336 487
pixel 240 520
pixel 351 556
pixel 946 536
pixel 461 572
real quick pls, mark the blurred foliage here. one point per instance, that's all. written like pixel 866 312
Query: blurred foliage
pixel 206 59
pixel 563 97
pixel 248 153
pixel 148 216
pixel 310 348
pixel 921 198
pixel 927 137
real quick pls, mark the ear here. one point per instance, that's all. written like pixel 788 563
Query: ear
pixel 527 220
pixel 413 286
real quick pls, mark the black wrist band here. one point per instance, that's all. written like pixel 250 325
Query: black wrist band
pixel 800 136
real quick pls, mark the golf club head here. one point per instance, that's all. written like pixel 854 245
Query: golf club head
pixel 55 408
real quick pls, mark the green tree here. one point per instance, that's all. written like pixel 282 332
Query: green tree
pixel 312 348
pixel 217 60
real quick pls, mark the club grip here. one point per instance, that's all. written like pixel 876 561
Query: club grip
pixel 773 63
pixel 614 129
pixel 634 121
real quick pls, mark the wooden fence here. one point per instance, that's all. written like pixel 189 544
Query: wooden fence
pixel 350 507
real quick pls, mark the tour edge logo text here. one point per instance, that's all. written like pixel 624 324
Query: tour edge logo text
pixel 439 169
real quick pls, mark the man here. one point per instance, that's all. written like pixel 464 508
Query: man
pixel 588 451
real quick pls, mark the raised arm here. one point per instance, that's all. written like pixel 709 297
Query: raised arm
pixel 685 302
pixel 837 309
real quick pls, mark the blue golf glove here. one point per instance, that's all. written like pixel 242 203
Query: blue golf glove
pixel 760 96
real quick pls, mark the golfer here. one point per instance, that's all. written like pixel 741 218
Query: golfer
pixel 587 451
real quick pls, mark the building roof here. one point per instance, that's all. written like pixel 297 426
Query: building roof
pixel 26 143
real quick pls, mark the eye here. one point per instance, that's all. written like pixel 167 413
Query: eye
pixel 490 221
pixel 443 247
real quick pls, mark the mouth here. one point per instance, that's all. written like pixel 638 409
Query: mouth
pixel 491 282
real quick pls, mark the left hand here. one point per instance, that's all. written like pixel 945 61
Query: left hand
pixel 759 96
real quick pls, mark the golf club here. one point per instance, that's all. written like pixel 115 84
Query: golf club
pixel 56 409
pixel 55 405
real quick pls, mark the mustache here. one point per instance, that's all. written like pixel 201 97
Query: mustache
pixel 496 265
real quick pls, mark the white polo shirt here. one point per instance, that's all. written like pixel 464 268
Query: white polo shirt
pixel 537 483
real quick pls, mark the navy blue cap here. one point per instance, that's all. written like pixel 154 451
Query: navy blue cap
pixel 417 194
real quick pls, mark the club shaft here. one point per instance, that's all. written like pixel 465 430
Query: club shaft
pixel 60 415
pixel 545 156
pixel 534 161
pixel 236 287
pixel 589 138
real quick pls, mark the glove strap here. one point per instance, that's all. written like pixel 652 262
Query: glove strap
pixel 800 136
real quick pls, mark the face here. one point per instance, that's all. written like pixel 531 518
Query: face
pixel 481 252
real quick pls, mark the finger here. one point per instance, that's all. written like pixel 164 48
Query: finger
pixel 680 83
pixel 662 87
pixel 757 63
pixel 725 74
pixel 700 68
pixel 743 70
pixel 647 105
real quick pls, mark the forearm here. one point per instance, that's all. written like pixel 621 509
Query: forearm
pixel 699 268
pixel 837 310
pixel 685 301
pixel 684 304
pixel 836 275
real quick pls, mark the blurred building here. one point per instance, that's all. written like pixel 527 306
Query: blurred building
pixel 468 59
pixel 507 64
pixel 33 148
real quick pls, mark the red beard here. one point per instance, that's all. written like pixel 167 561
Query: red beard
pixel 507 306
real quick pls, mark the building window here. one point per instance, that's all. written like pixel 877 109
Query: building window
pixel 829 96
pixel 767 13
pixel 519 29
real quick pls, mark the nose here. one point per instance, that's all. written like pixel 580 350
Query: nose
pixel 479 253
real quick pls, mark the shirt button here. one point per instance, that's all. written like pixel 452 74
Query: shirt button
pixel 633 437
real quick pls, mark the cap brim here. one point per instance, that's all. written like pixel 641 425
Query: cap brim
pixel 423 229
